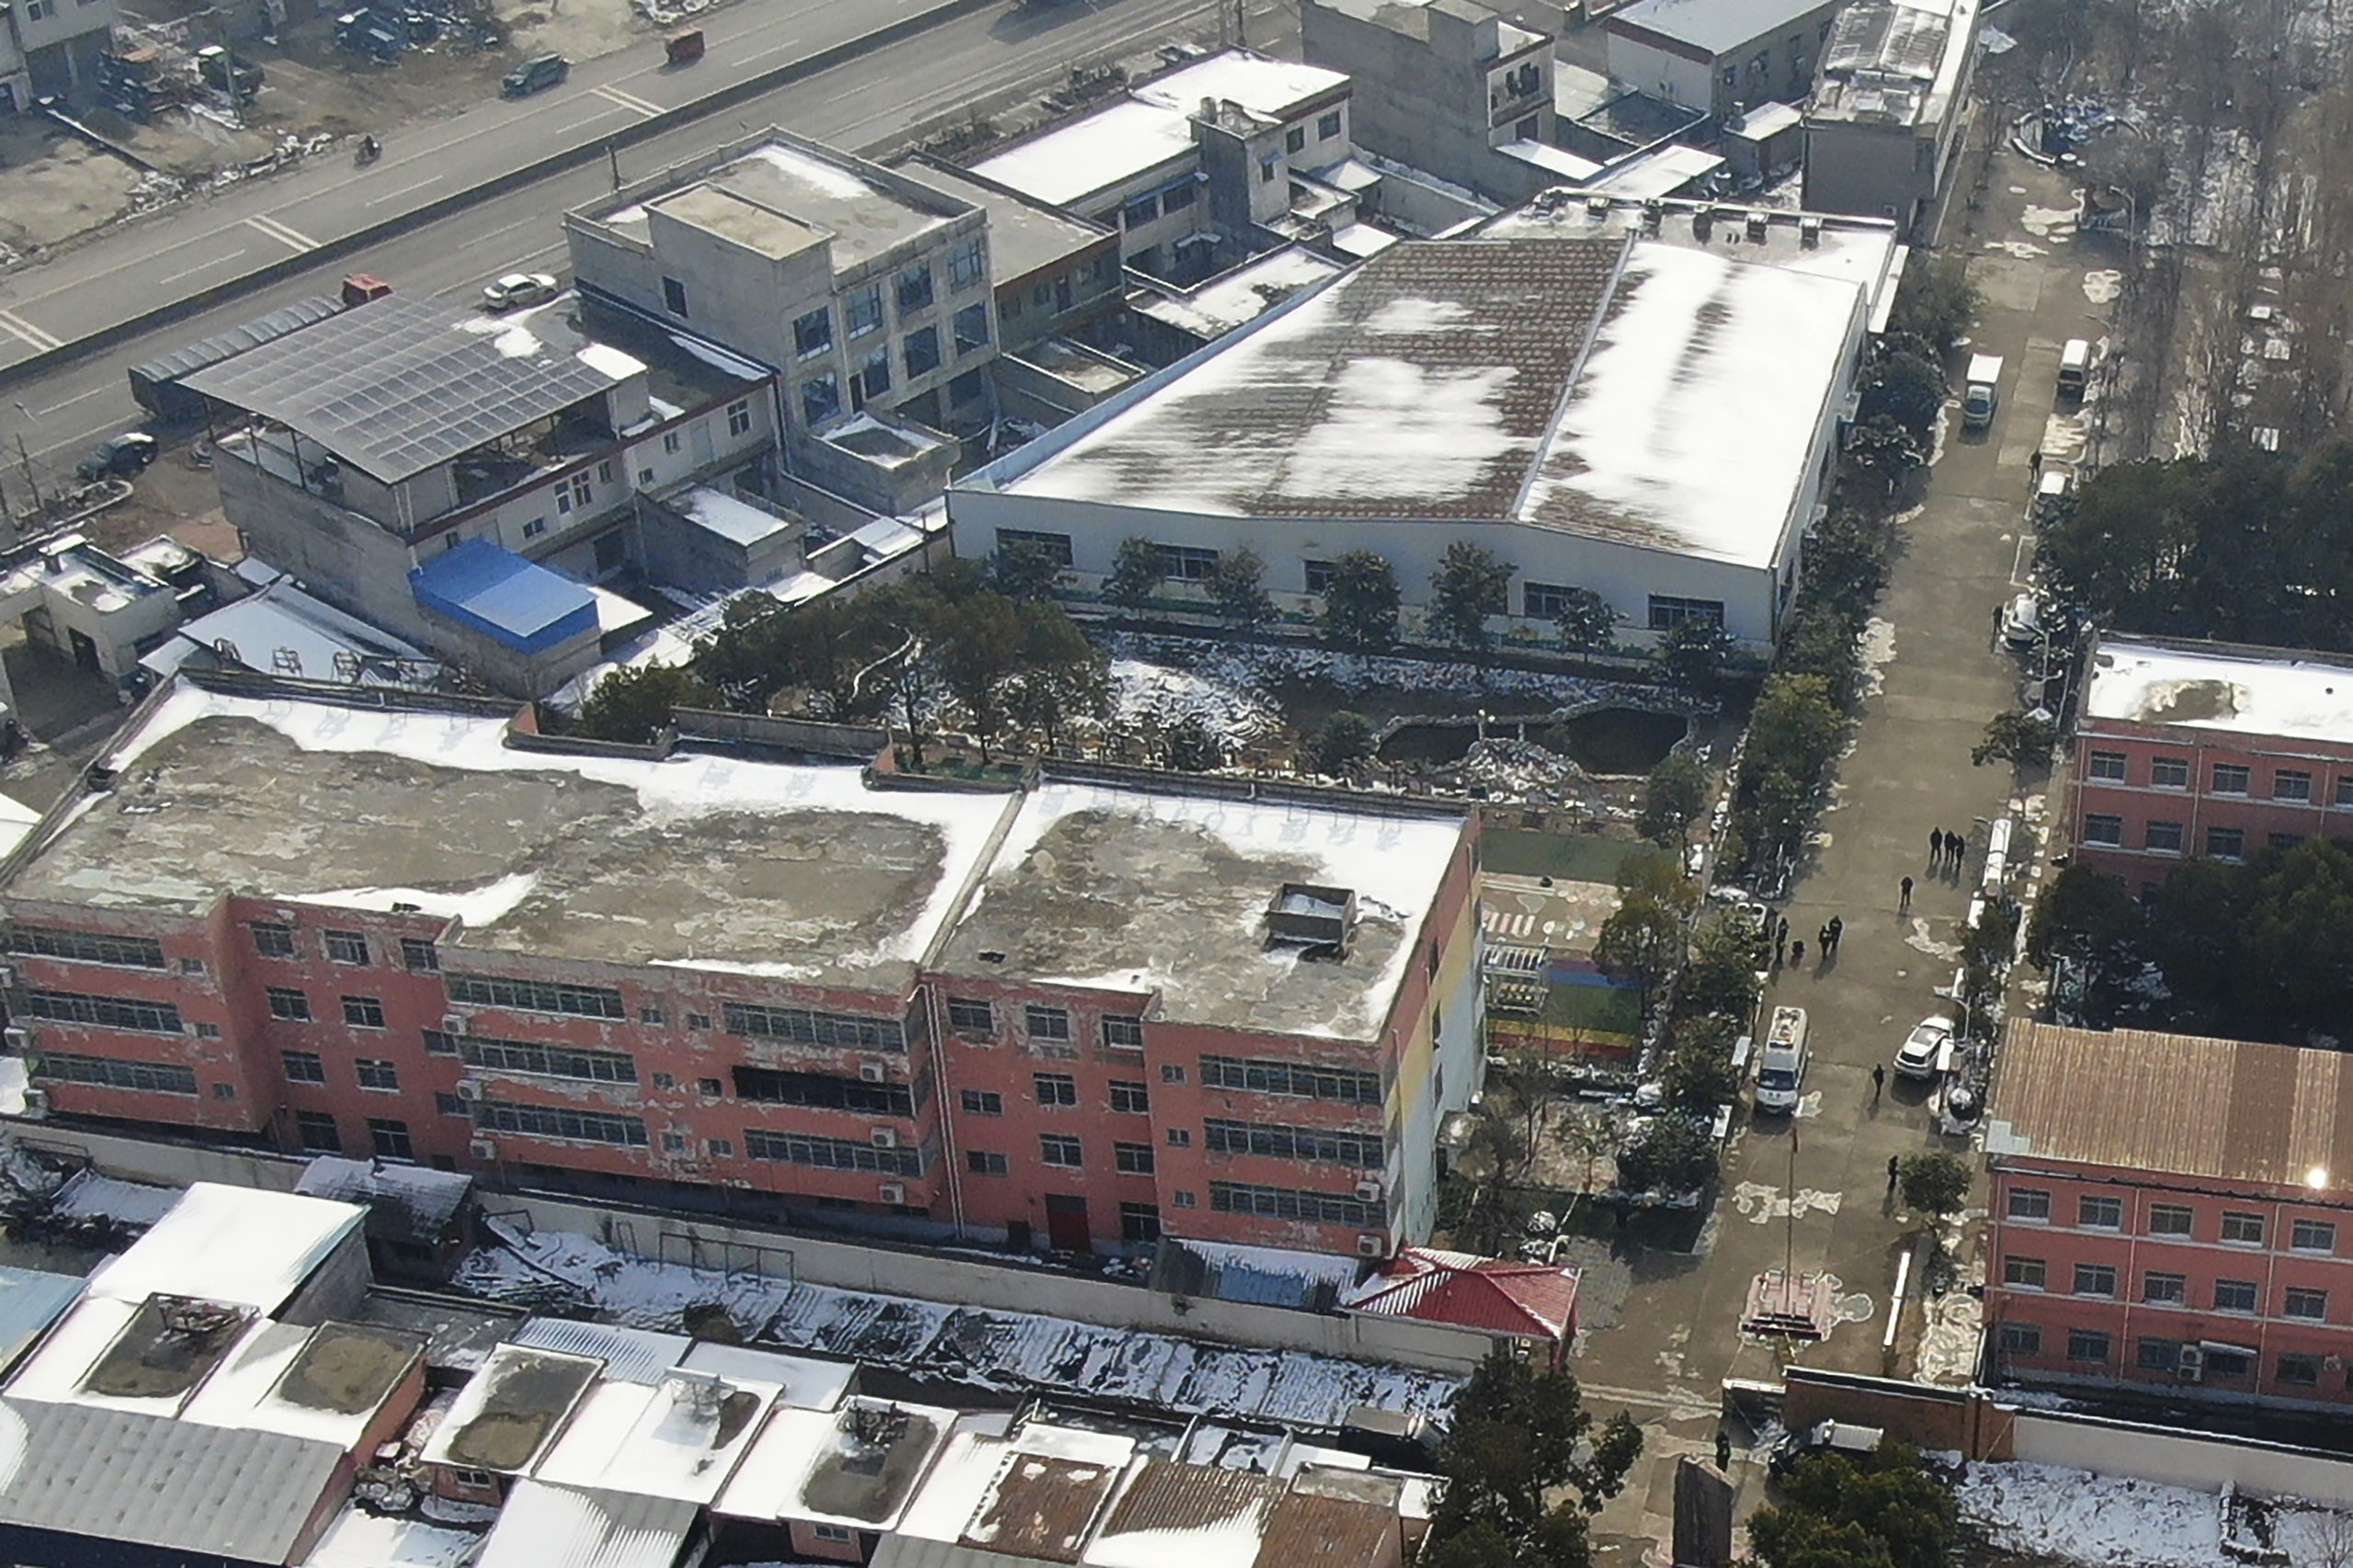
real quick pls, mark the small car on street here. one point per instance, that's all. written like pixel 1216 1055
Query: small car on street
pixel 118 456
pixel 1916 1058
pixel 517 289
pixel 541 71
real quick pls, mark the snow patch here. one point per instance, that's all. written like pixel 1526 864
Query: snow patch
pixel 2083 1517
pixel 484 905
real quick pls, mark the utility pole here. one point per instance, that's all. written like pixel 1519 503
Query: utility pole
pixel 613 156
pixel 25 459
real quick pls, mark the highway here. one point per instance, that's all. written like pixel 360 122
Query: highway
pixel 868 102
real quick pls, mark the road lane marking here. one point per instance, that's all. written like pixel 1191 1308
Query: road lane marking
pixel 77 397
pixel 403 190
pixel 284 235
pixel 772 49
pixel 627 100
pixel 15 325
pixel 202 267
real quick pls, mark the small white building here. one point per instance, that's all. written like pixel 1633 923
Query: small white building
pixel 1648 420
pixel 1719 56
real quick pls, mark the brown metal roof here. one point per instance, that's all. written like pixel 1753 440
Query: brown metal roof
pixel 2222 1109
pixel 1310 1531
pixel 1039 1508
pixel 1166 1495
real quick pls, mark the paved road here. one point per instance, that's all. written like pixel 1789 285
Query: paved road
pixel 1908 771
pixel 864 103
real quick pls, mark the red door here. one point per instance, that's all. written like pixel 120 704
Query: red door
pixel 1066 1224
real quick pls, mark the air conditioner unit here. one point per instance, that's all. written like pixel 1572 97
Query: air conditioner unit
pixel 2332 1363
pixel 885 1138
pixel 893 1192
pixel 1371 1245
pixel 8 977
pixel 36 1103
pixel 872 1073
pixel 16 1038
pixel 2192 1366
pixel 468 1090
pixel 484 1148
pixel 456 1023
pixel 1369 1191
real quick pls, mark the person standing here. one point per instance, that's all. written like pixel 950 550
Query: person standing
pixel 1903 905
pixel 1890 1175
pixel 1797 954
pixel 1935 848
pixel 1723 1451
pixel 1878 1080
pixel 1837 931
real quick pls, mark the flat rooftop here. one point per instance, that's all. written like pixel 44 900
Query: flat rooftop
pixel 1411 18
pixel 1892 62
pixel 1619 390
pixel 1717 26
pixel 2181 1104
pixel 799 871
pixel 2228 689
pixel 779 196
pixel 509 1411
pixel 1092 153
pixel 232 1244
pixel 857 1466
pixel 1109 888
pixel 1024 237
pixel 1239 296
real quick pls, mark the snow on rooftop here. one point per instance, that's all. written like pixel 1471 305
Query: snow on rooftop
pixel 1090 154
pixel 679 1439
pixel 54 1371
pixel 230 1244
pixel 730 516
pixel 359 1538
pixel 2079 1517
pixel 2236 690
pixel 819 175
pixel 1693 427
pixel 863 1486
pixel 1270 87
pixel 91 1195
pixel 1243 295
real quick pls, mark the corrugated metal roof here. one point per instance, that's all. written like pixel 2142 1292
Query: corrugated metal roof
pixel 113 1474
pixel 30 1302
pixel 922 1552
pixel 1041 1507
pixel 1203 1516
pixel 412 1202
pixel 1310 1531
pixel 2137 1100
pixel 564 1527
pixel 630 1355
pixel 1488 1293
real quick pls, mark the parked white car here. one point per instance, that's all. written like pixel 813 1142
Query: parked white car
pixel 1922 1049
pixel 517 289
pixel 2022 621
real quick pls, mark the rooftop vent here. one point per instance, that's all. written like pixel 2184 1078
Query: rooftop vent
pixel 874 1426
pixel 1703 218
pixel 1316 921
pixel 1756 228
pixel 1652 213
pixel 1810 233
pixel 1597 207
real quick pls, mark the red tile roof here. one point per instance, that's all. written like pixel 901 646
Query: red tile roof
pixel 1489 1293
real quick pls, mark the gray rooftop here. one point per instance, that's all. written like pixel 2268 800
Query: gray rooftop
pixel 781 194
pixel 1024 237
pixel 401 385
pixel 1717 26
pixel 1411 18
pixel 404 1202
pixel 1891 61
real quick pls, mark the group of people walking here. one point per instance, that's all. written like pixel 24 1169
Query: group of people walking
pixel 1794 953
pixel 1945 850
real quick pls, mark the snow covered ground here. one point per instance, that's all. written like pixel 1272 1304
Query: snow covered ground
pixel 1009 1351
pixel 2077 1516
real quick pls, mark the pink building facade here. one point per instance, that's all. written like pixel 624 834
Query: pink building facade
pixel 2187 749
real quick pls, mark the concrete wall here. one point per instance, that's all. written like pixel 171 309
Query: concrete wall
pixel 1870 170
pixel 342 557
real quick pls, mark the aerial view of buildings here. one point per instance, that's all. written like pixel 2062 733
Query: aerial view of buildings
pixel 1366 783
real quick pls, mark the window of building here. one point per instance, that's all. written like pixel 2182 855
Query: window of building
pixel 1732 75
pixel 2302 1301
pixel 1058 1149
pixel 1184 562
pixel 2020 1338
pixel 920 349
pixel 2100 1213
pixel 1319 576
pixel 2095 1279
pixel 101 1011
pixel 2296 1369
pixel 416 953
pixel 972 329
pixel 672 442
pixel 302 1067
pixel 1762 64
pixel 2235 1295
pixel 837 1533
pixel 808 1026
pixel 697 1020
pixel 982 1102
pixel 106 1072
pixel 2283 842
pixel 2100 828
pixel 1183 1199
pixel 1293 1078
pixel 873 377
pixel 534 1060
pixel 286 1003
pixel 2292 784
pixel 1366 1151
pixel 2221 1363
pixel 1295 138
pixel 318 1132
pixel 1131 1099
pixel 91 946
pixel 1528 130
pixel 914 286
pixel 1122 1031
pixel 2345 790
pixel 2169 772
pixel 1055 548
pixel 983 1164
pixel 208 1031
pixel 2230 779
pixel 2028 1272
pixel 2242 1228
pixel 1546 601
pixel 2171 1219
pixel 831 1153
pixel 739 418
pixel 346 947
pixel 1055 1089
pixel 2312 1236
pixel 1295 1203
pixel 2226 843
pixel 1667 612
pixel 439 1044
pixel 674 1142
pixel 2107 765
pixel 39 10
pixel 272 940
pixel 2164 838
pixel 651 1015
pixel 1180 1138
pixel 821 399
pixel 968 388
pixel 719 1148
pixel 534 526
pixel 1328 126
pixel 561 1123
pixel 971 1014
pixel 536 997
pixel 2029 1203
pixel 862 310
pixel 812 334
pixel 390 1140
pixel 674 297
pixel 2164 1288
pixel 450 1104
pixel 1139 210
pixel 1139 1222
pixel 1133 1159
pixel 1045 1023
pixel 375 1074
pixel 968 265
pixel 363 1012
pixel 1171 1073
pixel 2157 1355
pixel 1266 169
pixel 1175 199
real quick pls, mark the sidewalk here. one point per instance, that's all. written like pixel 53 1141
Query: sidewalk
pixel 1939 677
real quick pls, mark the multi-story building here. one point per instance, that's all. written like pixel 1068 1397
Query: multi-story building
pixel 2173 1213
pixel 1074 1013
pixel 865 290
pixel 1719 56
pixel 2186 748
pixel 1053 273
pixel 1455 82
pixel 1884 121
pixel 1190 164
pixel 461 481
pixel 52 46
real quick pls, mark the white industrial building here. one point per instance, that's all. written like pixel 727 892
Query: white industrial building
pixel 1652 420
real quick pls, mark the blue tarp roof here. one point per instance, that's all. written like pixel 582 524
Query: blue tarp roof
pixel 507 598
pixel 30 1302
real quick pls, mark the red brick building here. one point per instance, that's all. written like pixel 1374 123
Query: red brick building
pixel 1071 1014
pixel 2171 1212
pixel 2186 748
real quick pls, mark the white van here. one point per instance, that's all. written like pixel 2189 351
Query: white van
pixel 2075 367
pixel 1782 1071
